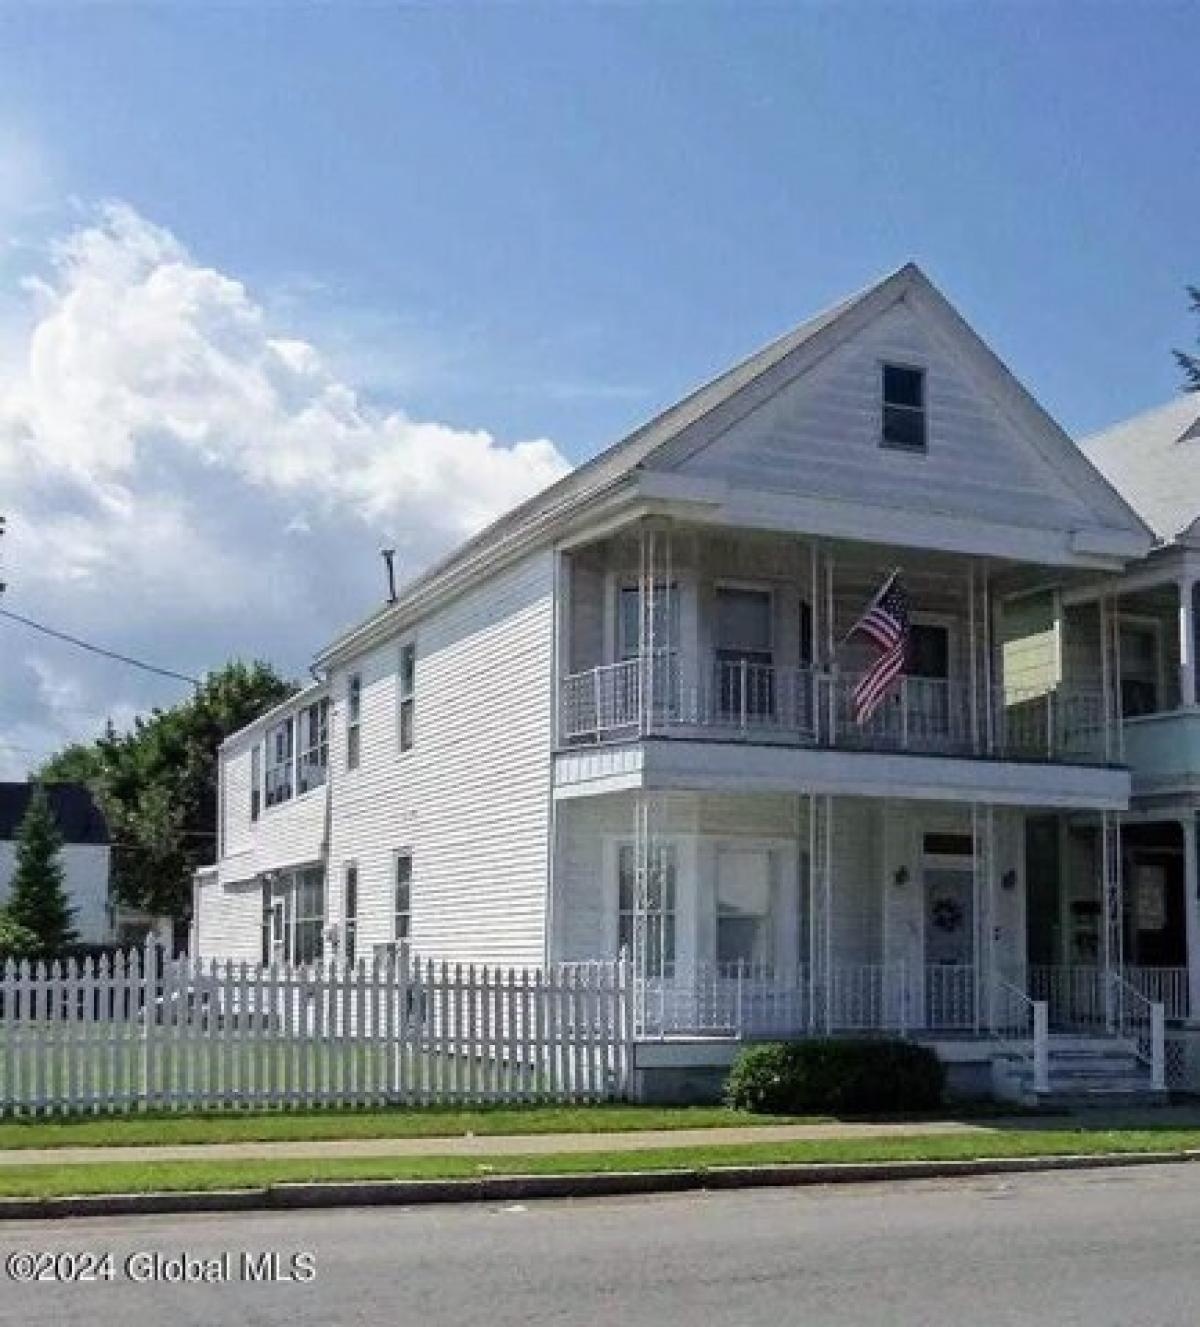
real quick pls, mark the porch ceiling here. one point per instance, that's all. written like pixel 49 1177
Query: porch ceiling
pixel 694 766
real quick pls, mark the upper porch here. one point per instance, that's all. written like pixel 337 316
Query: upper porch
pixel 742 636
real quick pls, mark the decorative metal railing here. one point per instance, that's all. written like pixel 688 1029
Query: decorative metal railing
pixel 1144 1022
pixel 1078 998
pixel 743 699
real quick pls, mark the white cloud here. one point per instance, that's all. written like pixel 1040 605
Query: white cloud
pixel 185 481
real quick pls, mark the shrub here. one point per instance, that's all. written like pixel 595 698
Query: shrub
pixel 851 1076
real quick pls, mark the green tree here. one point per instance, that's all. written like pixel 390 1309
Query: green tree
pixel 157 783
pixel 1190 364
pixel 38 901
pixel 15 941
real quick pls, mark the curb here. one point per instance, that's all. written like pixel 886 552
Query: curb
pixel 515 1188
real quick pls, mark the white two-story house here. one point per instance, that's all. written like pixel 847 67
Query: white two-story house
pixel 621 718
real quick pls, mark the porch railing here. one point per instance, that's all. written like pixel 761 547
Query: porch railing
pixel 756 1000
pixel 741 698
pixel 1078 998
pixel 1144 1023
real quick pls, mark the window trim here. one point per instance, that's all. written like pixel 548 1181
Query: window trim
pixel 921 411
pixel 288 764
pixel 629 585
pixel 320 747
pixel 256 780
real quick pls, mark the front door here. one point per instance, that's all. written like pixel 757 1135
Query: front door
pixel 949 928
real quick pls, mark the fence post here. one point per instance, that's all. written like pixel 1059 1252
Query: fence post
pixel 1158 1047
pixel 1041 1046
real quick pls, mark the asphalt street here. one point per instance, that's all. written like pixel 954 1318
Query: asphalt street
pixel 1099 1248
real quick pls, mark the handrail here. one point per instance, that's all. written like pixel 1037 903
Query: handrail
pixel 1149 1031
pixel 1038 1018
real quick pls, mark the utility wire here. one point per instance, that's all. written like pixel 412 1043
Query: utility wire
pixel 96 649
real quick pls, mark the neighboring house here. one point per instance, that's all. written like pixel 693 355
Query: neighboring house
pixel 85 852
pixel 1154 460
pixel 621 718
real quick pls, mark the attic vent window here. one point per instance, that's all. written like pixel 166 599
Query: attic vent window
pixel 903 408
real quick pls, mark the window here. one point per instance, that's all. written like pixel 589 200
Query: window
pixel 743 907
pixel 309 909
pixel 928 651
pixel 745 677
pixel 656 950
pixel 407 684
pixel 664 626
pixel 353 720
pixel 313 722
pixel 280 750
pixel 403 922
pixel 255 780
pixel 903 407
pixel 350 912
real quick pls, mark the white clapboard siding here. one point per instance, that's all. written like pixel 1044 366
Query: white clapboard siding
pixel 820 437
pixel 141 1033
pixel 471 799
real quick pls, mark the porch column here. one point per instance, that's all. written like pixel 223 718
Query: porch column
pixel 820 927
pixel 983 833
pixel 1113 932
pixel 1191 910
pixel 1187 642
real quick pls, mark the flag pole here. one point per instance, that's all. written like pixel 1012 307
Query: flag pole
pixel 883 589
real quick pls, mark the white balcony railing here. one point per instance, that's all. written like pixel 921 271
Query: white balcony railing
pixel 767 702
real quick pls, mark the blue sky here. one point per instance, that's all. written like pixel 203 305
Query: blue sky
pixel 515 224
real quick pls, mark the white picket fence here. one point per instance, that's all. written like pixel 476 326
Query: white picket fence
pixel 140 1033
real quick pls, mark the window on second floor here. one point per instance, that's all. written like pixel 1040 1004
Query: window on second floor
pixel 407 693
pixel 255 780
pixel 353 720
pixel 313 760
pixel 903 408
pixel 278 786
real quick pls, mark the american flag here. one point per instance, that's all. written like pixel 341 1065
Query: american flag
pixel 885 624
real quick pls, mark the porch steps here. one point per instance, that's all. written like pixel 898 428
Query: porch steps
pixel 1096 1071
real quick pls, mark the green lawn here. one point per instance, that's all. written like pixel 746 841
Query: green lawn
pixel 118 1177
pixel 427 1122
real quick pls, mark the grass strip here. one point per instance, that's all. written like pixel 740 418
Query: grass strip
pixel 432 1122
pixel 45 1181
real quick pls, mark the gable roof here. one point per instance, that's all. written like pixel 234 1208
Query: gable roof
pixel 1154 460
pixel 669 435
pixel 79 819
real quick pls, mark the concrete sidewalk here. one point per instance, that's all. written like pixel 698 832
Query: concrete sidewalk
pixel 471 1145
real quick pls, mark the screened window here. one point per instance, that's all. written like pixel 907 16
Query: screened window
pixel 403 921
pixel 313 764
pixel 928 651
pixel 353 720
pixel 350 912
pixel 280 741
pixel 904 407
pixel 655 947
pixel 255 780
pixel 309 910
pixel 407 688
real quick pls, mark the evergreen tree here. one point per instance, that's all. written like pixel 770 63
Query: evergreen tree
pixel 38 901
pixel 1190 364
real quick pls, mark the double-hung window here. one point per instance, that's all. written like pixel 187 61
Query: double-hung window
pixel 904 423
pixel 350 912
pixel 658 619
pixel 256 754
pixel 646 926
pixel 403 900
pixel 407 692
pixel 745 676
pixel 314 746
pixel 280 753
pixel 353 720
pixel 309 930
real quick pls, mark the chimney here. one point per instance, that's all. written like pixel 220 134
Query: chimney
pixel 389 561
